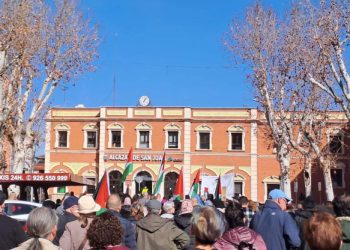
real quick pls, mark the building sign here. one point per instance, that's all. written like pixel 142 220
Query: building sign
pixel 136 157
pixel 35 177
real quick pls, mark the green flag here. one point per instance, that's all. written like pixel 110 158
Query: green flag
pixel 160 176
pixel 129 166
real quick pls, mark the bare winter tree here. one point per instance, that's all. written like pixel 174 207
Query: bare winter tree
pixel 41 46
pixel 280 70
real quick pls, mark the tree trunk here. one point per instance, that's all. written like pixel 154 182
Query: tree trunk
pixel 307 177
pixel 284 160
pixel 328 184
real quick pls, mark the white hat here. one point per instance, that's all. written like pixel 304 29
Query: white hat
pixel 87 205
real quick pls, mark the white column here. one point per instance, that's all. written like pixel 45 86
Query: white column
pixel 187 150
pixel 48 142
pixel 254 156
pixel 130 112
pixel 158 112
pixel 102 139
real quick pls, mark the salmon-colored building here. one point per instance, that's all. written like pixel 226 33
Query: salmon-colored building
pixel 88 141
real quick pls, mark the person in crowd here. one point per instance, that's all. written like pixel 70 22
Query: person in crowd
pixel 208 225
pixel 169 210
pixel 125 210
pixel 59 209
pixel 106 232
pixel 70 206
pixel 183 219
pixel 252 205
pixel 145 196
pixel 49 203
pixel 74 235
pixel 275 225
pixel 58 203
pixel 249 213
pixel 136 213
pixel 341 205
pixel 323 232
pixel 11 232
pixel 238 235
pixel 302 215
pixel 42 226
pixel 156 233
pixel 114 206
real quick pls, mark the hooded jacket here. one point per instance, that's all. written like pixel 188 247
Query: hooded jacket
pixel 277 227
pixel 240 235
pixel 345 224
pixel 154 232
pixel 183 221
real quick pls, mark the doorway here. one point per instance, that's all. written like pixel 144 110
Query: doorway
pixel 144 181
pixel 170 184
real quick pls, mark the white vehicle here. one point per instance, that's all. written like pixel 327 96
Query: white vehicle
pixel 19 210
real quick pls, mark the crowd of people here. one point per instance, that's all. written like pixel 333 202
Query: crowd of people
pixel 150 223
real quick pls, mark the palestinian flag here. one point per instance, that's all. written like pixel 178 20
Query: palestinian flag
pixel 160 176
pixel 195 185
pixel 102 191
pixel 179 189
pixel 218 189
pixel 129 166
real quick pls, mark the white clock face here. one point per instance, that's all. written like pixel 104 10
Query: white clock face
pixel 144 100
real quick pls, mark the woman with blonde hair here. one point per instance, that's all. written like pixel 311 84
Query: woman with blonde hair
pixel 74 235
pixel 42 227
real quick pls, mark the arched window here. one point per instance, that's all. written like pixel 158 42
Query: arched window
pixel 170 184
pixel 115 182
pixel 90 135
pixel 204 137
pixel 236 138
pixel 239 184
pixel 143 179
pixel 62 134
pixel 172 136
pixel 116 135
pixel 270 183
pixel 143 136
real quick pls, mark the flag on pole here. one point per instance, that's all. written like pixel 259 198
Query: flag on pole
pixel 102 191
pixel 129 166
pixel 160 176
pixel 195 185
pixel 218 188
pixel 179 189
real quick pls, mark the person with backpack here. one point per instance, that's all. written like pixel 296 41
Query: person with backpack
pixel 238 236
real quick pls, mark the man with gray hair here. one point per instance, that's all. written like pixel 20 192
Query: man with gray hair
pixel 169 209
pixel 154 232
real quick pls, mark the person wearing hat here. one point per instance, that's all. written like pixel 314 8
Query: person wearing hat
pixel 156 233
pixel 11 232
pixel 277 227
pixel 184 219
pixel 74 235
pixel 70 213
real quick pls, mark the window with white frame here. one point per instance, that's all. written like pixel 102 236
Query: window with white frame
pixel 90 136
pixel 236 138
pixel 62 132
pixel 144 136
pixel 172 136
pixel 204 137
pixel 116 135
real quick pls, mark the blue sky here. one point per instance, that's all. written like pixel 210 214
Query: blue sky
pixel 171 51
